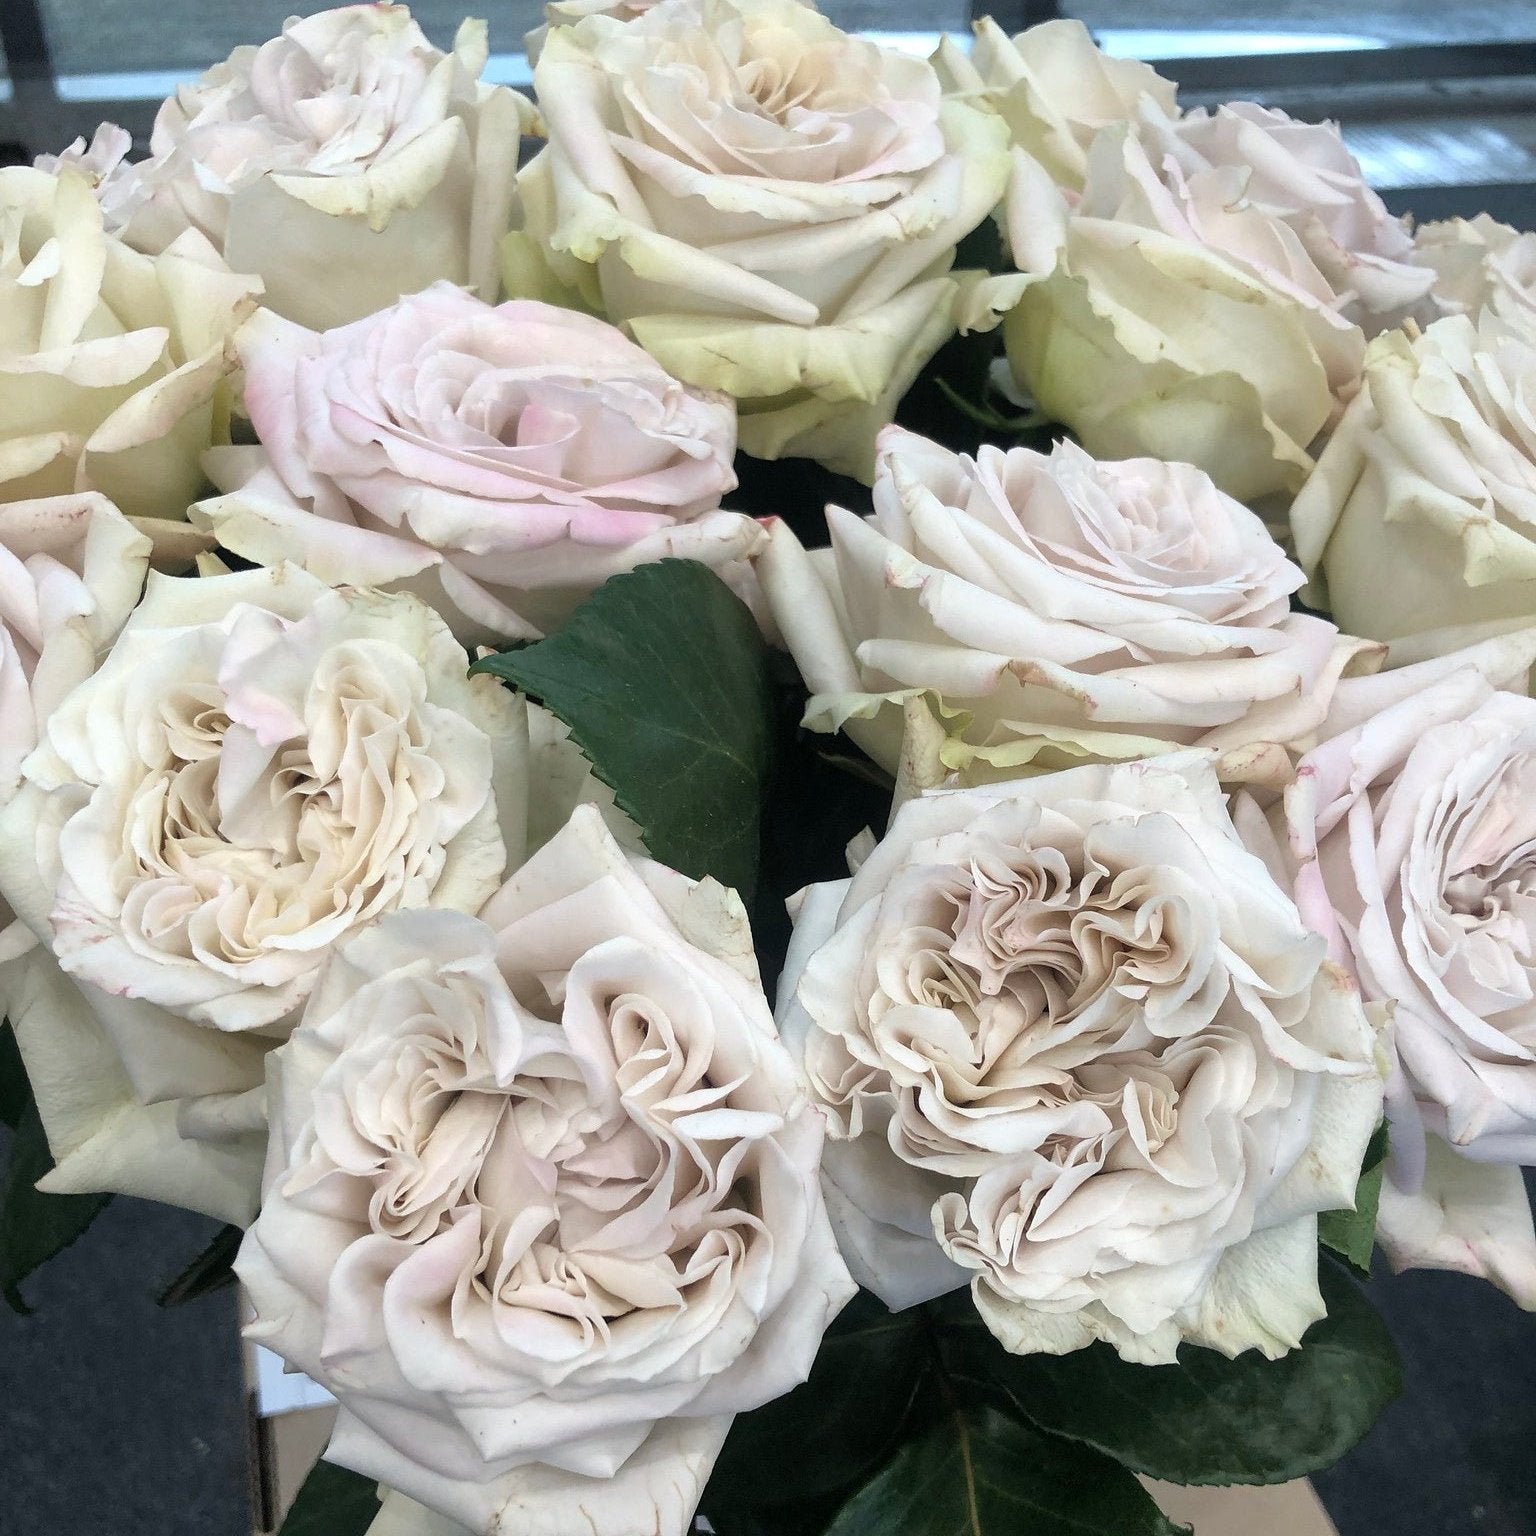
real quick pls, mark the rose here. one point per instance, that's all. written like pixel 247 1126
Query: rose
pixel 1078 1048
pixel 104 163
pixel 259 767
pixel 1408 835
pixel 1167 310
pixel 504 462
pixel 112 359
pixel 1418 517
pixel 71 568
pixel 543 1280
pixel 768 205
pixel 566 13
pixel 346 162
pixel 1053 87
pixel 1479 263
pixel 1303 176
pixel 1051 607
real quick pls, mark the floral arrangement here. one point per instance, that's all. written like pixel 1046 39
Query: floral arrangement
pixel 805 782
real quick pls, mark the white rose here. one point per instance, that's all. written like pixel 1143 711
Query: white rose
pixel 1051 608
pixel 566 13
pixel 105 165
pixel 259 768
pixel 1166 310
pixel 769 206
pixel 1303 176
pixel 112 359
pixel 71 569
pixel 544 1278
pixel 1480 263
pixel 501 462
pixel 346 162
pixel 1079 1049
pixel 1053 87
pixel 1408 834
pixel 1419 516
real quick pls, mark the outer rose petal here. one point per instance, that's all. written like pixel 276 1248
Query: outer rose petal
pixel 1473 1218
pixel 1426 492
pixel 102 1134
pixel 656 1490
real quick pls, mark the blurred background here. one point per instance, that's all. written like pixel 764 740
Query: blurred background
pixel 145 1408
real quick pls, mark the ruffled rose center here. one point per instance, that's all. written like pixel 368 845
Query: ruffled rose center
pixel 244 856
pixel 599 1189
pixel 1020 1005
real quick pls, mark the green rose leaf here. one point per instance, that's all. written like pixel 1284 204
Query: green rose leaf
pixel 662 677
pixel 978 1473
pixel 1352 1234
pixel 212 1270
pixel 332 1502
pixel 1208 1419
pixel 833 1429
pixel 15 1091
pixel 34 1226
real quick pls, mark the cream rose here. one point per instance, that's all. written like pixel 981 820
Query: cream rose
pixel 1188 305
pixel 1079 1049
pixel 566 13
pixel 503 462
pixel 345 162
pixel 112 360
pixel 1421 515
pixel 1479 263
pixel 1409 834
pixel 768 205
pixel 1031 610
pixel 105 165
pixel 1053 87
pixel 1303 176
pixel 71 569
pixel 259 768
pixel 542 1204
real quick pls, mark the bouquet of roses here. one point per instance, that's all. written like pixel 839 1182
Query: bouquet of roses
pixel 666 744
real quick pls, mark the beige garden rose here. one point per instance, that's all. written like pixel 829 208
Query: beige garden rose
pixel 1202 299
pixel 566 13
pixel 1479 263
pixel 502 462
pixel 71 569
pixel 345 162
pixel 1017 611
pixel 769 206
pixel 1079 1050
pixel 259 767
pixel 1054 88
pixel 1407 836
pixel 1420 519
pixel 112 360
pixel 542 1205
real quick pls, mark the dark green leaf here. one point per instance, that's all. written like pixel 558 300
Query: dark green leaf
pixel 829 1432
pixel 212 1270
pixel 662 677
pixel 1352 1234
pixel 15 1091
pixel 332 1502
pixel 34 1226
pixel 1208 1419
pixel 978 1473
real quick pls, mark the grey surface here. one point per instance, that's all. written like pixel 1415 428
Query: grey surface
pixel 118 1418
pixel 97 35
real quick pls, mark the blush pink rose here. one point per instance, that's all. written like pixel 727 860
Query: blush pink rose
pixel 500 461
pixel 1409 836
